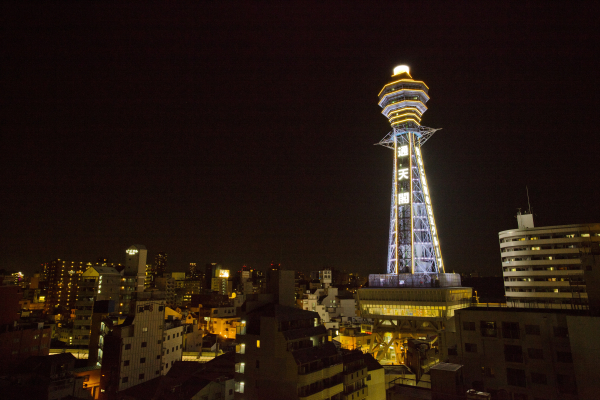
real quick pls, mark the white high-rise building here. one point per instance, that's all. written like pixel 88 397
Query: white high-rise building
pixel 135 265
pixel 545 267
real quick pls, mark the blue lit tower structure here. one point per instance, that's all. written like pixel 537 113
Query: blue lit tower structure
pixel 415 298
pixel 414 247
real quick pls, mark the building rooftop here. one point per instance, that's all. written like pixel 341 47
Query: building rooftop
pixel 554 227
pixel 282 313
pixel 371 363
pixel 310 354
pixel 526 310
pixel 447 367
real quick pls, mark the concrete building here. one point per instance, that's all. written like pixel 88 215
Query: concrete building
pixel 19 340
pixel 131 353
pixel 160 264
pixel 172 342
pixel 283 352
pixel 528 353
pixel 97 283
pixel 135 265
pixel 167 285
pixel 399 314
pixel 355 375
pixel 544 267
pixel 62 280
pixel 375 378
pixel 49 377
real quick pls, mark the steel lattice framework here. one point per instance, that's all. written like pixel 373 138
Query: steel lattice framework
pixel 413 242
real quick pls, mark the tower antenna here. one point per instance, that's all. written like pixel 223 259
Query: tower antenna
pixel 528 204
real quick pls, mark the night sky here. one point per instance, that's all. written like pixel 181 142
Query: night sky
pixel 243 134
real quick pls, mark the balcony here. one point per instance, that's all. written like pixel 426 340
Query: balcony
pixel 355 375
pixel 324 373
pixel 325 393
pixel 358 394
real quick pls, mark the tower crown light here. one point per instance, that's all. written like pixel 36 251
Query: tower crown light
pixel 403 99
pixel 400 69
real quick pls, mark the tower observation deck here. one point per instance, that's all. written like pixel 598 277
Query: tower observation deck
pixel 414 246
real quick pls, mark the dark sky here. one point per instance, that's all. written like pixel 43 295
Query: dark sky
pixel 243 134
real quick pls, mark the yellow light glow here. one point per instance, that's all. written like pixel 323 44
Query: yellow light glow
pixel 403 90
pixel 400 69
pixel 403 80
pixel 399 105
pixel 405 120
pixel 224 273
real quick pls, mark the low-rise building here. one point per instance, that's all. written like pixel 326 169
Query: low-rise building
pixel 528 353
pixel 283 352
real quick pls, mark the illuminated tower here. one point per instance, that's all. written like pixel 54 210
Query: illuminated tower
pixel 414 247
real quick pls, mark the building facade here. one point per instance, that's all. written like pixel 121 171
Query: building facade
pixel 544 267
pixel 131 353
pixel 528 353
pixel 62 280
pixel 283 352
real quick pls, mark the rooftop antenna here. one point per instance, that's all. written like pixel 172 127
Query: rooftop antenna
pixel 528 204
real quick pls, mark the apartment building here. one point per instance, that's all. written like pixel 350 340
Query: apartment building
pixel 545 267
pixel 541 354
pixel 283 352
pixel 131 352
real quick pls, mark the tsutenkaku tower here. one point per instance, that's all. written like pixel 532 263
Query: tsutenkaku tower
pixel 414 247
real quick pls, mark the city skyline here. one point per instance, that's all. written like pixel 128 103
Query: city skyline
pixel 242 134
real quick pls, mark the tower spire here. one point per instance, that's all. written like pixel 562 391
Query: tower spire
pixel 413 242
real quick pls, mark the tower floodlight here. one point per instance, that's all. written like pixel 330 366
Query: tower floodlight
pixel 414 247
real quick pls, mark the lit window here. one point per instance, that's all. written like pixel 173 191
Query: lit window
pixel 258 344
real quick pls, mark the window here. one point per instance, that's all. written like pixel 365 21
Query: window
pixel 258 344
pixel 142 360
pixel 158 357
pixel 239 387
pixel 488 329
pixel 513 353
pixel 470 348
pixel 510 330
pixel 159 341
pixel 240 367
pixel 538 378
pixel 125 363
pixel 564 356
pixel 257 364
pixel 144 329
pixel 128 346
pixel 532 329
pixel 125 379
pixel 535 354
pixel 240 348
pixel 516 377
pixel 161 308
pixel 157 372
pixel 488 371
pixel 144 344
pixel 468 326
pixel 141 376
pixel 561 331
pixel 140 309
